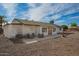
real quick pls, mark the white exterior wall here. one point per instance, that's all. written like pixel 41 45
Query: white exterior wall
pixel 9 31
pixel 45 33
pixel 38 30
pixel 30 29
pixel 12 30
pixel 27 29
pixel 57 31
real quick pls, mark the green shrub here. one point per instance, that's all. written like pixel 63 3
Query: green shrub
pixel 65 27
pixel 73 24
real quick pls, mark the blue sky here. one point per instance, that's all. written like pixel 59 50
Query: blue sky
pixel 61 13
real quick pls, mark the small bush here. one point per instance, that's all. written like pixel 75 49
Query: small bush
pixel 32 35
pixel 40 35
pixel 25 36
pixel 28 35
pixel 19 36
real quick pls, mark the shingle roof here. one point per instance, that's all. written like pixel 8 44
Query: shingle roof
pixel 21 21
pixel 15 21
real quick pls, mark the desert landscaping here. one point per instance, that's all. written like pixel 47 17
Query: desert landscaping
pixel 48 46
pixel 39 29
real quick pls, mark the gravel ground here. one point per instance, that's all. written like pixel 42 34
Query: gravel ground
pixel 68 46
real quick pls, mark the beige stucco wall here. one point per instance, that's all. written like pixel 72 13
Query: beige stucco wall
pixel 12 30
pixel 57 30
pixel 9 31
pixel 31 29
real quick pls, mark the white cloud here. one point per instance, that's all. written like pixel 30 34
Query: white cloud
pixel 60 22
pixel 10 9
pixel 33 5
pixel 71 10
pixel 37 13
pixel 55 17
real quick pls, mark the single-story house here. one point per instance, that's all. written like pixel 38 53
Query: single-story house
pixel 25 27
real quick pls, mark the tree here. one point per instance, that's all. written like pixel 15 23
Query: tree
pixel 51 22
pixel 64 27
pixel 73 24
pixel 1 21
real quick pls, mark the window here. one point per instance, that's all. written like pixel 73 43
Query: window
pixel 44 29
pixel 60 29
pixel 54 29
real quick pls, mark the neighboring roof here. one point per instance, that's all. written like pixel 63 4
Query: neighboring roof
pixel 26 22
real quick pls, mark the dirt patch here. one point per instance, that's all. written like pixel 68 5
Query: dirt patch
pixel 68 46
